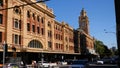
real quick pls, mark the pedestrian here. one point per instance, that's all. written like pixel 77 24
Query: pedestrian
pixel 34 64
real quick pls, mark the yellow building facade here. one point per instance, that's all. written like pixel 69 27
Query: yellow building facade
pixel 33 29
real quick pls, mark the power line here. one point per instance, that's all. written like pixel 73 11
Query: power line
pixel 109 31
pixel 24 5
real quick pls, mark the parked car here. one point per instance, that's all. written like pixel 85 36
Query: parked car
pixel 46 64
pixel 115 60
pixel 43 64
pixel 11 65
pixel 100 62
pixel 106 61
pixel 78 63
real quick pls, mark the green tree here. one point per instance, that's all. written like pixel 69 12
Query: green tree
pixel 102 49
pixel 107 52
pixel 116 52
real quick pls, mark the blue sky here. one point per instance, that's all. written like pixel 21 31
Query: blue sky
pixel 101 15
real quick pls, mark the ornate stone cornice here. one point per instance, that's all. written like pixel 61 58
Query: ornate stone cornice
pixel 43 9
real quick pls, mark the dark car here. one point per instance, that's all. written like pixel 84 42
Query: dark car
pixel 78 63
pixel 108 61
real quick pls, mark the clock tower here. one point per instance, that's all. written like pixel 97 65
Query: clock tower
pixel 83 21
pixel 85 41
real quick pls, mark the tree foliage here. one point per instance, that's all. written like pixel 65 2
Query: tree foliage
pixel 102 49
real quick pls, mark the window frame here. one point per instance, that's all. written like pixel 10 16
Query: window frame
pixel 1 2
pixel 28 26
pixel 17 39
pixel 49 44
pixel 33 28
pixel 17 10
pixel 28 14
pixel 38 30
pixel 38 18
pixel 1 18
pixel 1 37
pixel 17 24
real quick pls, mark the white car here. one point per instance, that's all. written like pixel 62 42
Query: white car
pixel 100 62
pixel 46 64
pixel 43 63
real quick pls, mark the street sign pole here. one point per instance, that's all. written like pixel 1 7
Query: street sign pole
pixel 3 54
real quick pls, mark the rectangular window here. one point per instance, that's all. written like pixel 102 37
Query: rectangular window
pixel 1 18
pixel 38 30
pixel 0 37
pixel 17 24
pixel 1 2
pixel 49 44
pixel 42 30
pixel 33 28
pixel 16 39
pixel 28 26
pixel 56 45
pixel 49 33
pixel 19 39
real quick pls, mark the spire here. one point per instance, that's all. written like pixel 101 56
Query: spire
pixel 83 12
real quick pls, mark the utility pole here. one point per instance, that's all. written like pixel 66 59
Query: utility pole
pixel 117 12
pixel 3 54
pixel 5 50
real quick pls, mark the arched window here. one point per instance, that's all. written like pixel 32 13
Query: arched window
pixel 1 2
pixel 28 14
pixel 17 10
pixel 35 44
